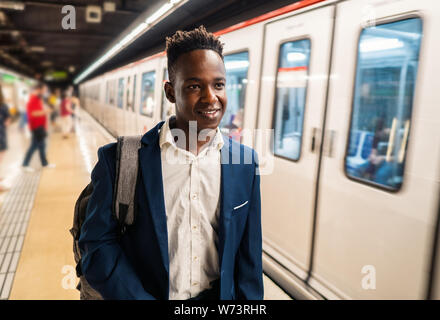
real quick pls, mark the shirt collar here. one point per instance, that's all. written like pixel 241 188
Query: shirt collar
pixel 166 137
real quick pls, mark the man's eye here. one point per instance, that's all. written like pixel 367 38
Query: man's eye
pixel 194 86
pixel 220 85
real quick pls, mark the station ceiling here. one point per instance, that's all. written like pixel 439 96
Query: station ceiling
pixel 33 41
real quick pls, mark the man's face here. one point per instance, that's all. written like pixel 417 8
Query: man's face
pixel 41 92
pixel 199 89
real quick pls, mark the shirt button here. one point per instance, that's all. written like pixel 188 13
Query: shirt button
pixel 194 227
pixel 195 283
pixel 195 258
pixel 194 196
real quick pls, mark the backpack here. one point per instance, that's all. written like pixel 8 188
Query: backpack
pixel 123 204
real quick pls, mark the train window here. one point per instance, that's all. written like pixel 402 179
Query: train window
pixel 128 101
pixel 237 66
pixel 291 87
pixel 121 93
pixel 383 99
pixel 112 92
pixel 107 92
pixel 147 96
pixel 167 107
pixel 134 92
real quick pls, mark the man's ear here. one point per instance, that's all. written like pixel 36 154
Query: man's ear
pixel 169 92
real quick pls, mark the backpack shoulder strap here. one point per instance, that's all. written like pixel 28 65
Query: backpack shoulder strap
pixel 127 165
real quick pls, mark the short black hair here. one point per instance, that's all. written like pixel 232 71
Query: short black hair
pixel 185 41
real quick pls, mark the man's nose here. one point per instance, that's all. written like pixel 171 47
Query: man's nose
pixel 209 96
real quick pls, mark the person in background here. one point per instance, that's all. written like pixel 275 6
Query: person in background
pixel 66 114
pixel 54 104
pixel 74 106
pixel 5 119
pixel 37 116
pixel 22 110
pixel 377 169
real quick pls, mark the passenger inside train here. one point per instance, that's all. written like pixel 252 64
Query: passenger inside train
pixel 383 104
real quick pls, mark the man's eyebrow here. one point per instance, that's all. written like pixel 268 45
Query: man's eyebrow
pixel 198 79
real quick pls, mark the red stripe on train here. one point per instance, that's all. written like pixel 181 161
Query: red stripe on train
pixel 302 68
pixel 269 15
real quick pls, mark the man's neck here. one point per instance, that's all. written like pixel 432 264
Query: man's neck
pixel 192 147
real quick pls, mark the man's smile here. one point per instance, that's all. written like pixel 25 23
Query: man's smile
pixel 210 113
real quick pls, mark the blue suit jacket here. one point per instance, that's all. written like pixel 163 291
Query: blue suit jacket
pixel 136 266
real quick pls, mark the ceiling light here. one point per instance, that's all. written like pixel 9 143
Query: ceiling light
pixel 159 13
pixel 93 14
pixel 46 63
pixel 2 18
pixel 109 6
pixel 131 36
pixel 37 49
pixel 12 5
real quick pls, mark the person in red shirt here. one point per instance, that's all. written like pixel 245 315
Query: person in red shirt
pixel 37 116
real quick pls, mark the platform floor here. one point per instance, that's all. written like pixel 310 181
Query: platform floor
pixel 36 258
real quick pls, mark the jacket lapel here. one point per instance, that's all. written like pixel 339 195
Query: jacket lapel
pixel 225 194
pixel 151 168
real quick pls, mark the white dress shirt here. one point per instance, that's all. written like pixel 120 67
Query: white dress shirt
pixel 191 192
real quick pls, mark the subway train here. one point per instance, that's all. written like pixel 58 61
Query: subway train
pixel 349 91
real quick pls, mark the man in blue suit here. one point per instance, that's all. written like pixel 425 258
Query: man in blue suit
pixel 197 233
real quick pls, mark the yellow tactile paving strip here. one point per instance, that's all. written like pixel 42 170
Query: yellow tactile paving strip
pixel 47 249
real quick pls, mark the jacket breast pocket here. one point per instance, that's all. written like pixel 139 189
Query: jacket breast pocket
pixel 241 208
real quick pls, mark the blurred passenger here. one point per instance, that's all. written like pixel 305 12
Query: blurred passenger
pixel 66 114
pixel 75 105
pixel 22 110
pixel 75 108
pixel 5 119
pixel 37 115
pixel 171 251
pixel 378 169
pixel 54 104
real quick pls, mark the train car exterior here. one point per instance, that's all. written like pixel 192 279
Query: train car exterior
pixel 351 207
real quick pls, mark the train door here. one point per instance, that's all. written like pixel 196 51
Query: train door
pixel 293 92
pixel 136 97
pixel 128 105
pixel 377 208
pixel 119 110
